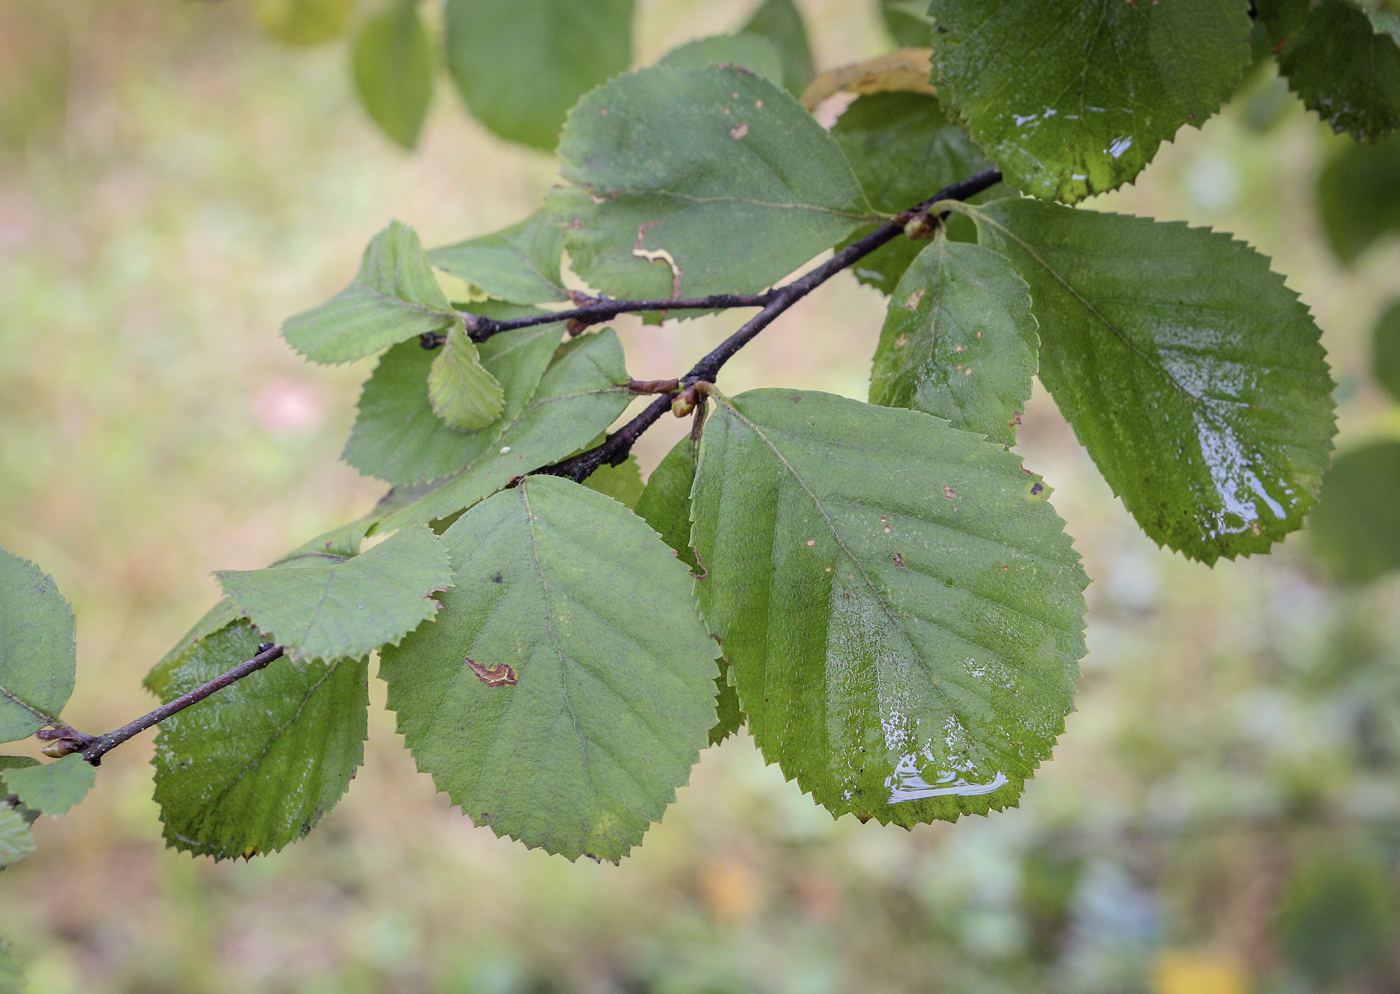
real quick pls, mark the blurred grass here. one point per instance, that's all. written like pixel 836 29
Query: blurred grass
pixel 172 186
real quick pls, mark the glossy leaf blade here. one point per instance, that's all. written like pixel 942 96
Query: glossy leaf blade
pixel 1345 70
pixel 331 607
pixel 38 651
pixel 1073 98
pixel 781 23
pixel 393 66
pixel 252 768
pixel 901 607
pixel 665 501
pixel 394 298
pixel 521 64
pixel 52 788
pixel 1358 193
pixel 1355 530
pixel 15 840
pixel 1192 375
pixel 689 182
pixel 567 687
pixel 518 264
pixel 462 392
pixel 959 341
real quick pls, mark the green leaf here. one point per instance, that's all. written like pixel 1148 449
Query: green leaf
pixel 1192 375
pixel 15 840
pixel 1358 193
pixel 582 392
pixel 1073 98
pixel 394 298
pixel 780 22
pixel 1386 351
pixel 1345 70
pixel 903 150
pixel 908 22
pixel 1355 530
pixel 1338 915
pixel 251 768
pixel 11 974
pixel 959 341
pixel 18 763
pixel 623 482
pixel 519 264
pixel 900 605
pixel 333 607
pixel 665 502
pixel 463 393
pixel 38 650
pixel 398 438
pixel 393 64
pixel 690 182
pixel 751 52
pixel 521 64
pixel 52 788
pixel 566 689
pixel 730 717
pixel 301 22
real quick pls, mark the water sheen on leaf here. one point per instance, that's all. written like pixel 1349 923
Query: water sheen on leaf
pixel 38 652
pixel 567 687
pixel 959 341
pixel 393 64
pixel 1192 375
pixel 252 768
pixel 518 264
pixel 1345 70
pixel 689 182
pixel 901 606
pixel 52 788
pixel 463 393
pixel 1073 98
pixel 332 607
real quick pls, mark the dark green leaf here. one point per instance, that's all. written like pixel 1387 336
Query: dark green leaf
pixel 1073 98
pixel 751 52
pixel 582 392
pixel 54 787
pixel 395 297
pixel 1355 530
pixel 331 607
pixel 903 150
pixel 697 181
pixel 1358 193
pixel 1192 375
pixel 665 503
pixel 519 264
pixel 900 605
pixel 730 717
pixel 38 651
pixel 251 768
pixel 623 482
pixel 780 22
pixel 959 341
pixel 908 22
pixel 1338 915
pixel 301 22
pixel 521 64
pixel 566 689
pixel 393 63
pixel 398 438
pixel 15 840
pixel 462 392
pixel 1386 351
pixel 1345 71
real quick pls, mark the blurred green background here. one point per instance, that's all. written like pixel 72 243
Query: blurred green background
pixel 1221 817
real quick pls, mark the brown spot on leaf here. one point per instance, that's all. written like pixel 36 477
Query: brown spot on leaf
pixel 912 303
pixel 811 542
pixel 901 340
pixel 496 578
pixel 739 132
pixel 899 560
pixel 493 676
pixel 949 492
pixel 1255 528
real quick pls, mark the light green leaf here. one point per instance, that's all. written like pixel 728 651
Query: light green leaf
pixel 1385 351
pixel 398 438
pixel 11 974
pixel 302 22
pixel 463 393
pixel 900 605
pixel 623 482
pixel 747 51
pixel 582 392
pixel 521 64
pixel 393 64
pixel 690 182
pixel 908 22
pixel 1345 70
pixel 780 22
pixel 903 150
pixel 250 769
pixel 665 503
pixel 519 264
pixel 1192 375
pixel 959 341
pixel 52 788
pixel 38 650
pixel 1358 193
pixel 17 763
pixel 333 607
pixel 394 298
pixel 1073 98
pixel 15 840
pixel 730 717
pixel 567 688
pixel 1355 530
